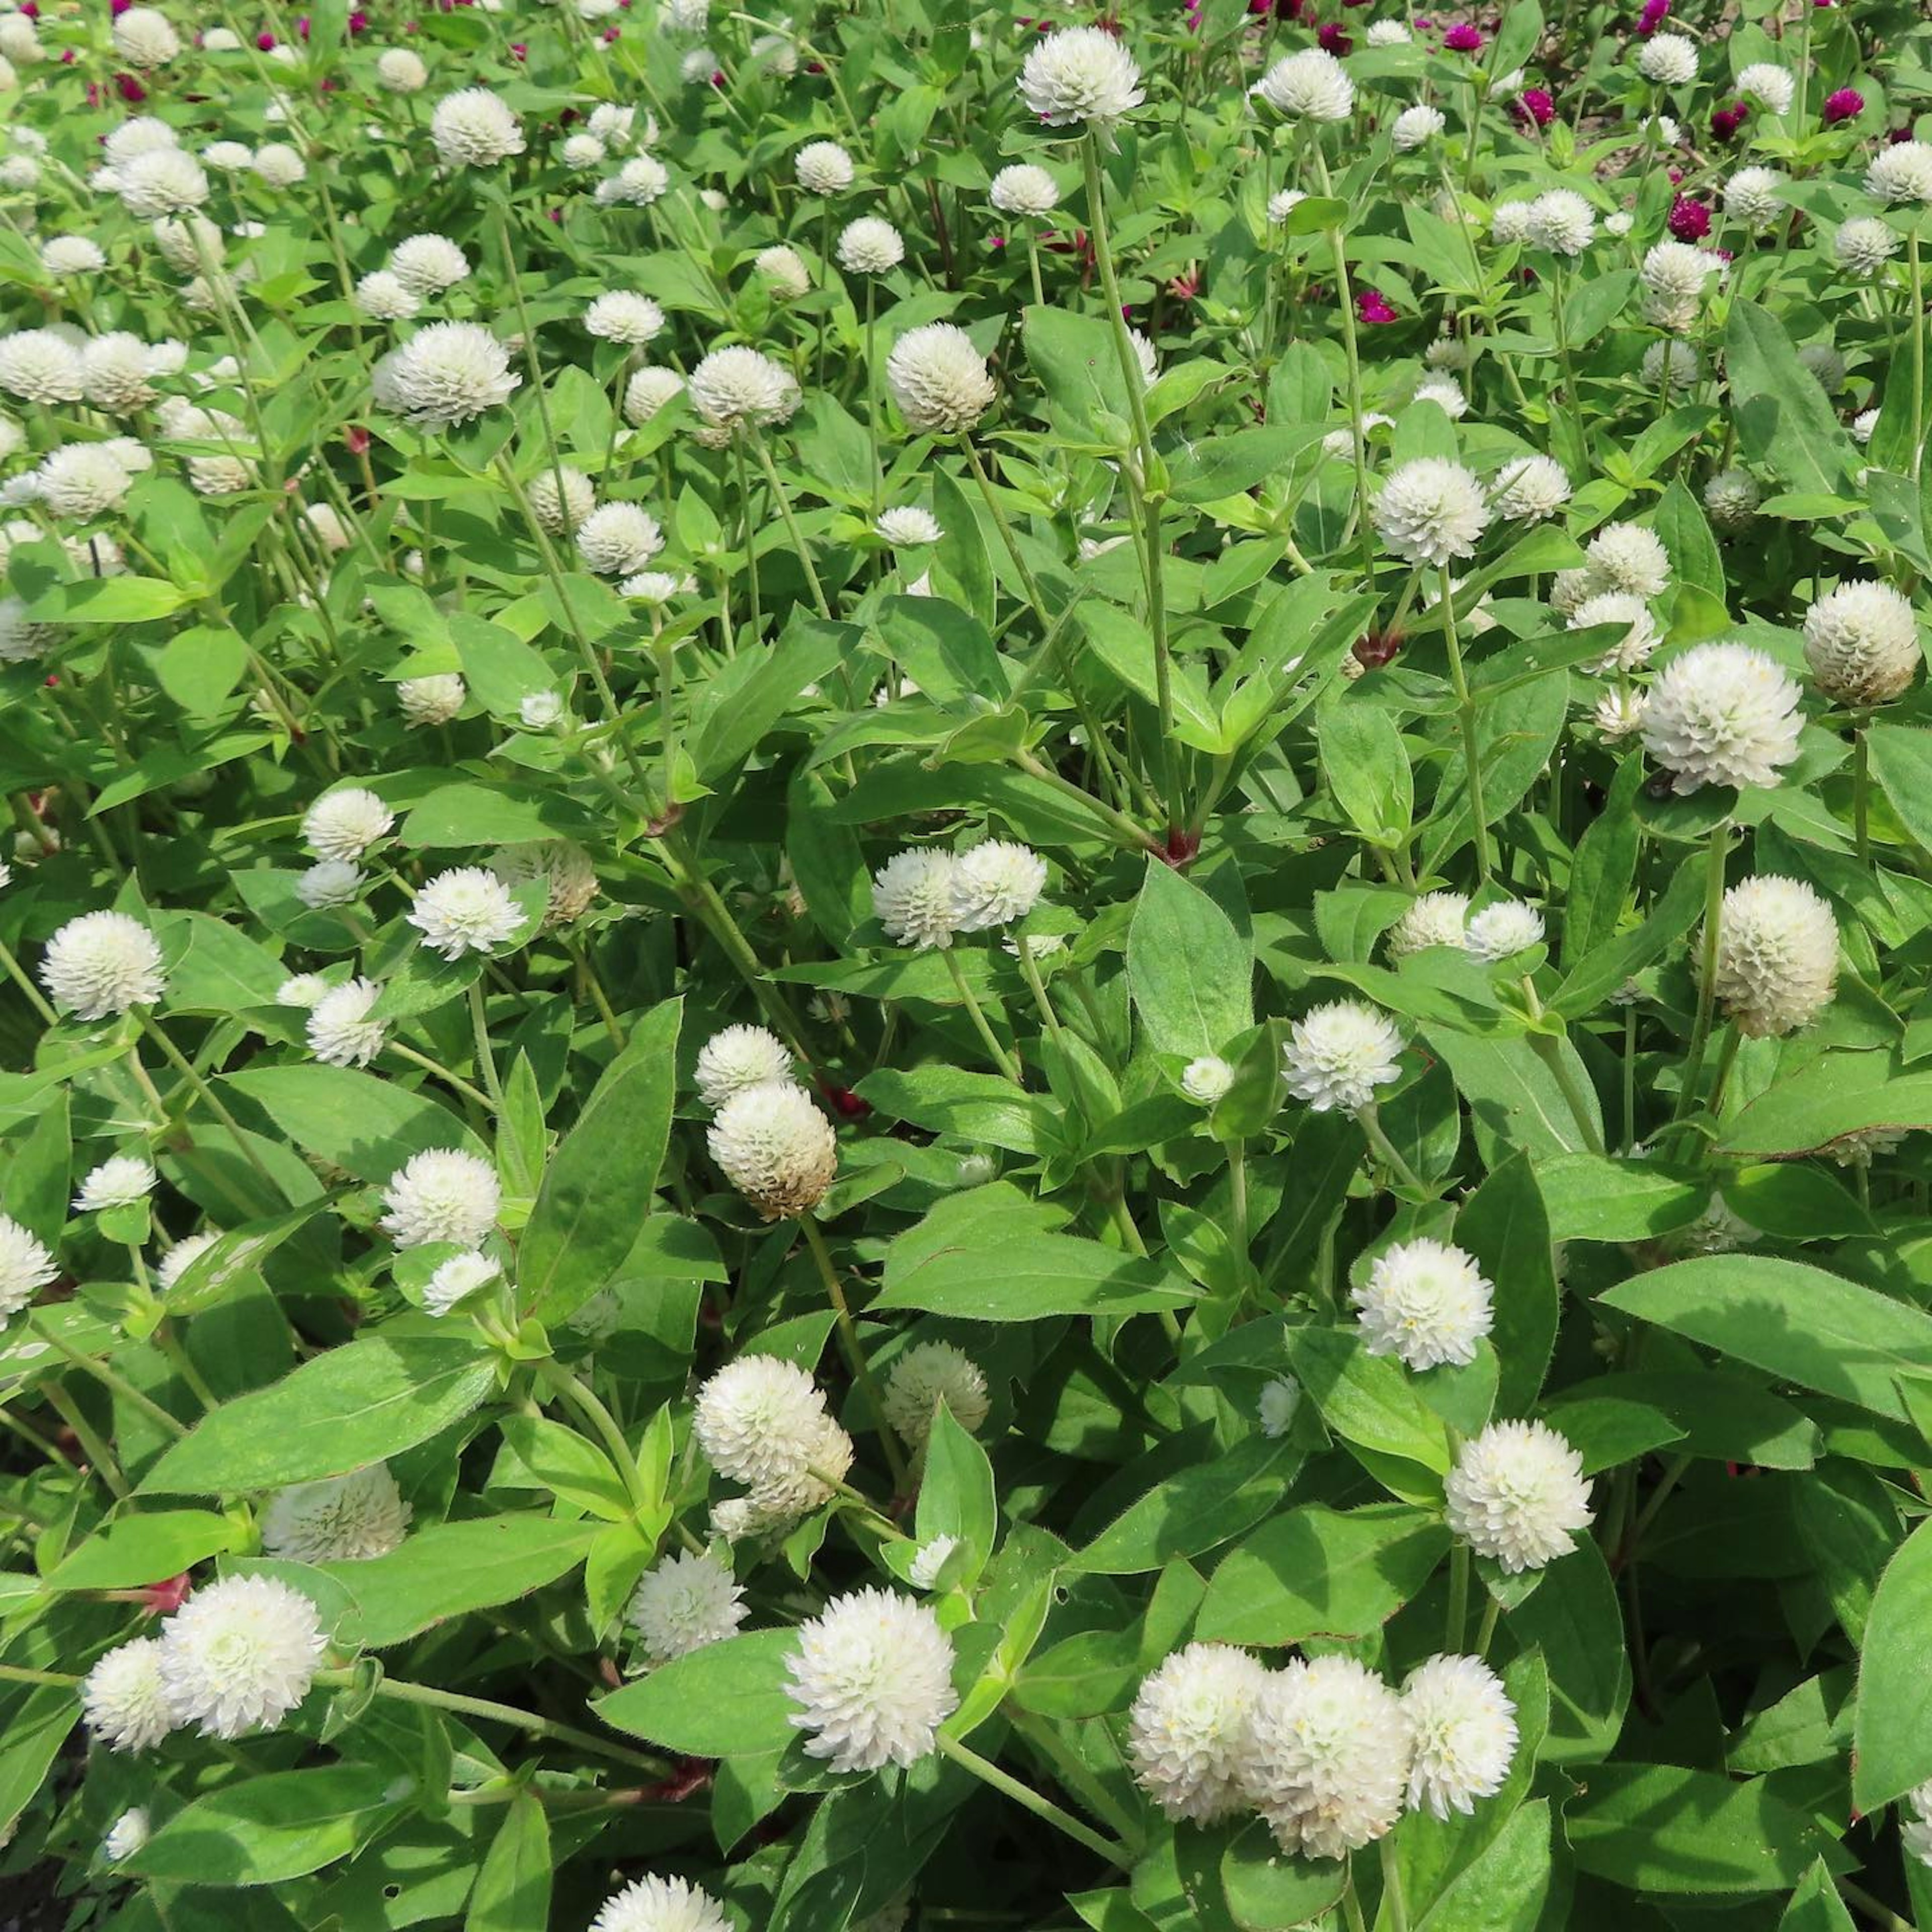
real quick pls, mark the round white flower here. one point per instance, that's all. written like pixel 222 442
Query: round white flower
pixel 622 315
pixel 456 1280
pixel 1641 635
pixel 740 387
pixel 782 270
pixel 1387 34
pixel 228 158
pixel 640 180
pixel 995 884
pixel 339 1031
pixel 739 1058
pixel 1326 1760
pixel 775 1147
pixel 1517 1494
pixel 1863 424
pixel 1430 511
pixel 21 640
pixel 384 296
pixel 1464 1734
pixel 81 480
pixel 428 264
pixel 1280 1398
pixel 926 1375
pixel 1769 84
pixel 1863 245
pixel 279 165
pixel 330 882
pixel 1862 643
pixel 126 1835
pixel 580 152
pixel 1416 126
pixel 1022 188
pixel 1626 556
pixel 1435 919
pixel 124 1700
pixel 928 1560
pixel 145 38
pixel 1751 197
pixel 431 700
pixel 345 823
pixel 41 365
pixel 163 180
pixel 25 1266
pixel 1207 1079
pixel 1081 76
pixel 1189 1727
pixel 1668 59
pixel 1670 363
pixel 912 897
pixel 1446 393
pixel 1283 203
pixel 441 1194
pixel 466 910
pixel 1902 173
pixel 656 587
pixel 908 527
pixel 1731 498
pixel 822 167
pixel 240 1654
pixel 119 1181
pixel 118 370
pixel 939 379
pixel 654 1904
pixel 759 1420
pixel 400 71
pixel 872 1680
pixel 445 375
pixel 1777 956
pixel 1501 930
pixel 339 1519
pixel 618 539
pixel 870 247
pixel 687 1601
pixel 1424 1301
pixel 182 1256
pixel 1339 1054
pixel 1511 222
pixel 71 255
pixel 1673 275
pixel 1561 221
pixel 102 964
pixel 647 391
pixel 1310 85
pixel 1723 715
pixel 473 128
pixel 301 989
pixel 1529 488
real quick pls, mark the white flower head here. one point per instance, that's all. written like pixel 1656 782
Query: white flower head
pixel 456 1279
pixel 1670 60
pixel 1425 1302
pixel 279 165
pixel 102 964
pixel 1561 221
pixel 775 1147
pixel 939 379
pixel 618 539
pixel 638 182
pixel 441 1194
pixel 759 1420
pixel 341 1518
pixel 1189 1727
pixel 1386 34
pixel 467 909
pixel 686 1602
pixel 1340 1054
pixel 737 387
pixel 182 1256
pixel 872 1680
pixel 1722 714
pixel 908 527
pixel 473 128
pixel 1862 643
pixel 431 700
pixel 995 884
pixel 428 264
pixel 126 1835
pixel 1751 198
pixel 1081 76
pixel 124 1698
pixel 928 1560
pixel 1670 365
pixel 163 180
pixel 1431 511
pixel 870 247
pixel 1283 203
pixel 1626 556
pixel 654 1904
pixel 240 1654
pixel 1310 85
pixel 1465 1732
pixel 560 498
pixel 25 1266
pixel 1447 395
pixel 622 315
pixel 330 882
pixel 823 168
pixel 1641 635
pixel 1022 188
pixel 445 375
pixel 1501 930
pixel 782 270
pixel 1900 174
pixel 912 897
pixel 1769 84
pixel 41 365
pixel 1777 956
pixel 1416 126
pixel 339 1031
pixel 1731 498
pixel 1207 1079
pixel 64 255
pixel 382 295
pixel 400 71
pixel 145 38
pixel 648 390
pixel 926 1375
pixel 1435 919
pixel 738 1058
pixel 1280 1398
pixel 1517 1494
pixel 122 1180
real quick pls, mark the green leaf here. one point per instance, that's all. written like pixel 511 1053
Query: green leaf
pixel 1572 1617
pixel 1901 764
pixel 1515 1100
pixel 726 1700
pixel 1508 1888
pixel 1190 972
pixel 598 1188
pixel 1784 420
pixel 1192 1510
pixel 984 1108
pixel 1795 1321
pixel 1365 1399
pixel 35 1729
pixel 956 1495
pixel 1815 1905
pixel 1594 1198
pixel 1367 768
pixel 264 1831
pixel 1078 366
pixel 140 1550
pixel 513 1888
pixel 108 600
pixel 1891 1733
pixel 369 1399
pixel 1267 1891
pixel 1503 1226
pixel 350 1119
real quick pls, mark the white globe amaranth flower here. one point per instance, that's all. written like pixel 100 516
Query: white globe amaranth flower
pixel 401 71
pixel 145 38
pixel 1386 34
pixel 1416 126
pixel 228 158
pixel 637 183
pixel 912 897
pixel 432 700
pixel 474 128
pixel 1275 1411
pixel 124 1700
pixel 871 1680
pixel 1022 188
pixel 995 884
pixel 441 1194
pixel 81 480
pixel 22 640
pixel 1731 498
pixel 1901 173
pixel 279 165
pixel 823 168
pixel 759 1420
pixel 1339 1054
pixel 654 1904
pixel 1561 221
pixel 1777 956
pixel 1670 365
pixel 1445 392
pixel 928 1560
pixel 1464 1734
pixel 1861 643
pixel 1326 1760
pixel 647 392
pixel 25 1266
pixel 122 1180
pixel 126 1835
pixel 142 135
pixel 1529 488
pixel 687 1601
pixel 1670 60
pixel 1205 1080
pixel 689 18
pixel 339 1031
pixel 1081 76
pixel 622 315
pixel 1863 245
pixel 240 1654
pixel 1769 84
pixel 618 539
pixel 41 365
pixel 1431 511
pixel 926 1375
pixel 182 1256
pixel 1673 275
pixel 163 180
pixel 1189 1727
pixel 118 370
pixel 19 174
pixel 870 247
pixel 1435 919
pixel 1310 85
pixel 467 909
pixel 344 823
pixel 775 1146
pixel 339 1519
pixel 1722 715
pixel 1751 198
pixel 64 255
pixel 738 1058
pixel 1425 1302
pixel 1510 222
pixel 908 527
pixel 456 1279
pixel 445 375
pixel 1863 424
pixel 1626 556
pixel 782 270
pixel 384 296
pixel 102 964
pixel 939 379
pixel 1501 930
pixel 428 264
pixel 1641 635
pixel 1517 1494
pixel 1283 203
pixel 656 587
pixel 580 152
pixel 739 387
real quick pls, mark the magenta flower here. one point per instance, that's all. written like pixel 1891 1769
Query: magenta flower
pixel 1371 307
pixel 1533 107
pixel 1654 13
pixel 1847 103
pixel 1332 39
pixel 1726 120
pixel 1690 221
pixel 1462 38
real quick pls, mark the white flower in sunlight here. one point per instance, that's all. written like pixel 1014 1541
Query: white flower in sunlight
pixel 1416 126
pixel 647 391
pixel 102 964
pixel 71 255
pixel 1189 1727
pixel 1435 919
pixel 124 1700
pixel 339 1031
pixel 1561 221
pixel 926 1375
pixel 240 1654
pixel 995 883
pixel 330 882
pixel 872 1680
pixel 639 182
pixel 928 1560
pixel 445 375
pixel 654 1904
pixel 126 1835
pixel 428 264
pixel 1205 1080
pixel 1501 930
pixel 1751 198
pixel 1769 84
pixel 1722 714
pixel 400 71
pixel 1310 85
pixel 441 1194
pixel 823 168
pixel 1425 1302
pixel 1626 556
pixel 782 270
pixel 560 498
pixel 163 180
pixel 1339 1054
pixel 1670 60
pixel 775 1146
pixel 1022 188
pixel 1430 511
pixel 121 1180
pixel 939 379
pixel 688 1601
pixel 738 1058
pixel 912 897
pixel 1081 76
pixel 618 539
pixel 1641 635
pixel 1862 643
pixel 1777 956
pixel 737 387
pixel 1464 1734
pixel 1530 488
pixel 145 38
pixel 908 527
pixel 25 1266
pixel 467 909
pixel 384 296
pixel 1516 1494
pixel 473 128
pixel 431 700
pixel 621 315
pixel 339 1519
pixel 870 247
pixel 1901 173
pixel 456 1279
pixel 182 1256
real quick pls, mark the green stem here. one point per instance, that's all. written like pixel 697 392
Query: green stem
pixel 1707 979
pixel 96 1451
pixel 1029 971
pixel 1384 1149
pixel 1008 1786
pixel 178 1358
pixel 855 1355
pixel 583 1399
pixel 35 998
pixel 1395 1909
pixel 1006 1065
pixel 751 535
pixel 441 1071
pixel 1352 1906
pixel 1912 257
pixel 486 1058
pixel 19 1673
pixel 1351 350
pixel 1860 792
pixel 1487 1630
pixel 775 484
pixel 1465 713
pixel 874 473
pixel 1456 1623
pixel 1122 827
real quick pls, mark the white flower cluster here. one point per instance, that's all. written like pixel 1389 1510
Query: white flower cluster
pixel 923 896
pixel 762 1421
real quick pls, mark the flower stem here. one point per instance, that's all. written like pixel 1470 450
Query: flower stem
pixel 855 1356
pixel 1351 350
pixel 441 1071
pixel 1456 1623
pixel 583 1399
pixel 35 998
pixel 486 1059
pixel 1466 712
pixel 776 485
pixel 1395 1909
pixel 990 1773
pixel 96 1451
pixel 1001 1059
pixel 1917 264
pixel 1384 1149
pixel 1707 985
pixel 205 1094
pixel 1861 792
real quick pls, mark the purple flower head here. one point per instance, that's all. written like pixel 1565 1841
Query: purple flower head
pixel 1655 12
pixel 1332 39
pixel 1690 221
pixel 1462 38
pixel 1846 103
pixel 1371 306
pixel 1726 120
pixel 1533 108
